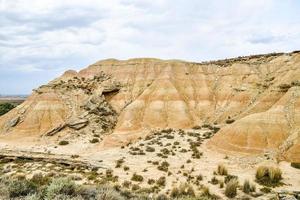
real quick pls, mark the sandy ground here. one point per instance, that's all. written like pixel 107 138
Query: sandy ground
pixel 174 150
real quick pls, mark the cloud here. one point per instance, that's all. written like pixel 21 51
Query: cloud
pixel 46 37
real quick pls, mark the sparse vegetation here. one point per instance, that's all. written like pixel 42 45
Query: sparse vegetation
pixel 268 176
pixel 222 170
pixel 247 187
pixel 164 166
pixel 63 142
pixel 94 140
pixel 231 188
pixel 61 186
pixel 184 190
pixel 161 181
pixel 137 178
pixel 6 107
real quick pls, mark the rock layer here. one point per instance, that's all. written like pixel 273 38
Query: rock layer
pixel 255 99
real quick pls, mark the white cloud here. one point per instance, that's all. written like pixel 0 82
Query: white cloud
pixel 53 35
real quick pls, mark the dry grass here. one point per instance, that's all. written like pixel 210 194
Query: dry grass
pixel 222 170
pixel 268 176
pixel 231 188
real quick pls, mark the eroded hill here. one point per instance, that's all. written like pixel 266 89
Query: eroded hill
pixel 255 101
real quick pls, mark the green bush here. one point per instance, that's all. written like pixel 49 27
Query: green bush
pixel 6 107
pixel 231 188
pixel 18 188
pixel 61 186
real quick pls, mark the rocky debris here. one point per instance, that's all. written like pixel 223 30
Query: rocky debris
pixel 14 122
pixel 55 130
pixel 288 195
pixel 77 124
pixel 114 87
pixel 66 160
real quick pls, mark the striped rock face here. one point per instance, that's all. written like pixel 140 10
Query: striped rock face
pixel 255 100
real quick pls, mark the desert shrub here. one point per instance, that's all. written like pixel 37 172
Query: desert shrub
pixel 284 87
pixel 135 187
pixel 214 180
pixel 39 179
pixel 150 149
pixel 164 166
pixel 229 120
pixel 136 177
pixel 94 140
pixel 205 192
pixel 184 190
pixel 229 178
pixel 295 165
pixel 126 184
pixel 266 190
pixel 151 181
pixel 119 163
pixel 63 142
pixel 197 127
pixel 247 187
pixel 18 188
pixel 222 170
pixel 126 168
pixel 199 177
pixel 162 197
pixel 108 193
pixel 231 188
pixel 61 186
pixel 161 181
pixel 221 184
pixel 269 176
pixel 295 83
pixel 6 107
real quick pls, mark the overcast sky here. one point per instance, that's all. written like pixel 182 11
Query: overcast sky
pixel 40 39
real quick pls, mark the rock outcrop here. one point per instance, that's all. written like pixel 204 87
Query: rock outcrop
pixel 255 99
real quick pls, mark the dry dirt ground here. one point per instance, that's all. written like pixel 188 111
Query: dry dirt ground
pixel 165 159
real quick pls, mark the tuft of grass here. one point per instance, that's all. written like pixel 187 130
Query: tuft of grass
pixel 222 170
pixel 231 188
pixel 184 190
pixel 268 176
pixel 247 187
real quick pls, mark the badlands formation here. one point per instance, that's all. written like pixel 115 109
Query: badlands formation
pixel 153 125
pixel 255 101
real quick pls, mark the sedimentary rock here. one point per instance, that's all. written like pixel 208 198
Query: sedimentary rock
pixel 254 99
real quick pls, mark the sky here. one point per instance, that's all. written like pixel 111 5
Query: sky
pixel 40 39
